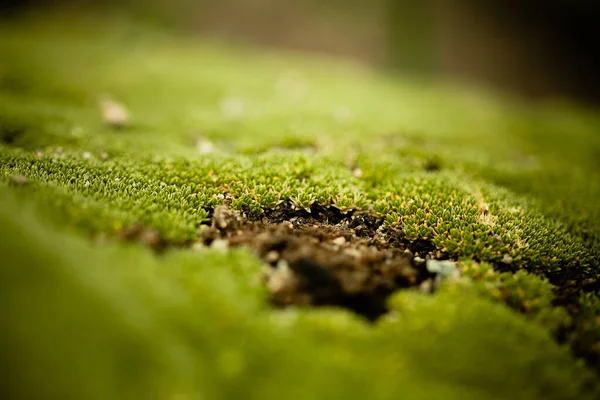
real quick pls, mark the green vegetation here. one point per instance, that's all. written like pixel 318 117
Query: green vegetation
pixel 488 181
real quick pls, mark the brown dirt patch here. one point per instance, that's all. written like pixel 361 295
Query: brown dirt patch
pixel 324 257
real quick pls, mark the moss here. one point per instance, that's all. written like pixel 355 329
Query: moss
pixel 195 324
pixel 521 291
pixel 487 181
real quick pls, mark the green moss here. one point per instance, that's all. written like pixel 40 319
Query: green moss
pixel 512 185
pixel 196 325
pixel 521 291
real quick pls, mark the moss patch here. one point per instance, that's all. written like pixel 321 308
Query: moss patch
pixel 504 189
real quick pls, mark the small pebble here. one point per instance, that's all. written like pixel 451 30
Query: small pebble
pixel 353 252
pixel 272 257
pixel 340 241
pixel 114 114
pixel 223 216
pixel 445 268
pixel 282 279
pixel 19 180
pixel 205 147
pixel 419 261
pixel 507 259
pixel 219 244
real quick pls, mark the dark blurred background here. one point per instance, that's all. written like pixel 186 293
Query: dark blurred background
pixel 536 48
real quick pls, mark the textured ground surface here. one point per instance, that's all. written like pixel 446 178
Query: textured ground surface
pixel 450 238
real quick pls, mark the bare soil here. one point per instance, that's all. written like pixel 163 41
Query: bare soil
pixel 324 257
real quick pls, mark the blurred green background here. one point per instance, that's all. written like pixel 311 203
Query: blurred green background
pixel 535 48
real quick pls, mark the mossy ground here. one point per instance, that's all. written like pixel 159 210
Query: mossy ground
pixel 489 182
